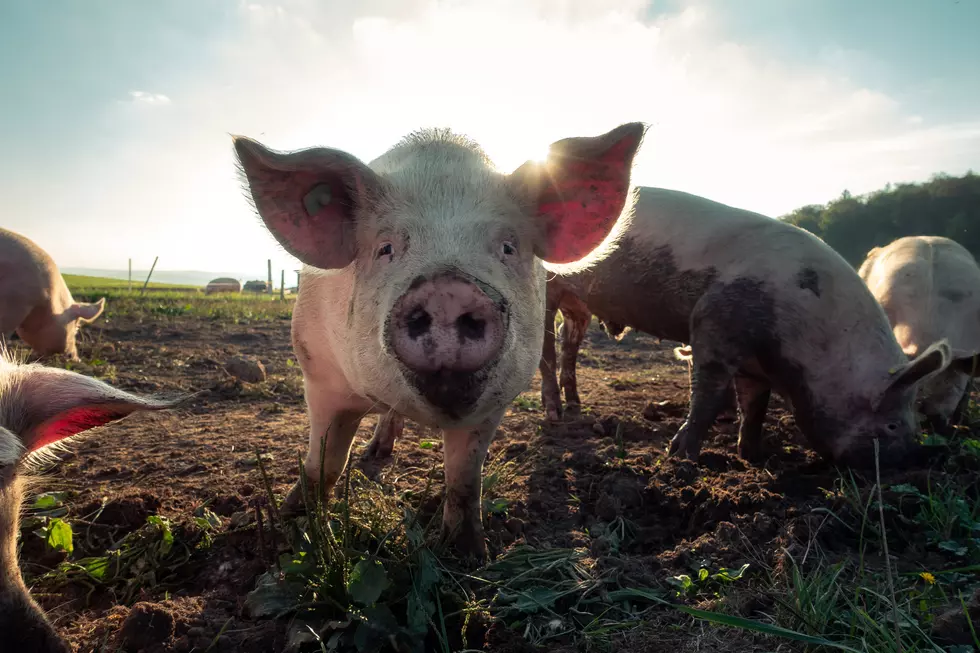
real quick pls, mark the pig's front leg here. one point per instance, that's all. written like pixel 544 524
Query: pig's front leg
pixel 709 384
pixel 462 517
pixel 332 429
pixel 550 392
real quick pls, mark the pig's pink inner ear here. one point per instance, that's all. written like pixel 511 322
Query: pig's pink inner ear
pixel 583 188
pixel 307 199
pixel 75 420
pixel 88 312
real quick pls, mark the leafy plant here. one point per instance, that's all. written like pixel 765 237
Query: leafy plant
pixel 705 581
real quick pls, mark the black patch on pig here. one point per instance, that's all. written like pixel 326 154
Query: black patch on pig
pixel 735 324
pixel 808 279
pixel 641 288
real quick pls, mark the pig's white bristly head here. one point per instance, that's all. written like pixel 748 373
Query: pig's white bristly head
pixel 436 257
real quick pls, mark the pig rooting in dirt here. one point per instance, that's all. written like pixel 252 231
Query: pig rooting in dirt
pixel 41 406
pixel 423 291
pixel 34 300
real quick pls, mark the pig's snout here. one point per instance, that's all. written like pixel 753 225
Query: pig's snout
pixel 446 324
pixel 446 330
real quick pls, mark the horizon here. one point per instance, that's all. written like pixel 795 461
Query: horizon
pixel 120 115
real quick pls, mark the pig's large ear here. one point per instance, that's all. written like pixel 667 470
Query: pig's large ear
pixel 580 190
pixel 307 198
pixel 87 313
pixel 43 405
pixel 932 361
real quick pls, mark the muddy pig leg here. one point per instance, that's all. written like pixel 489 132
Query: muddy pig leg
pixel 390 427
pixel 576 322
pixel 332 430
pixel 708 384
pixel 716 352
pixel 550 392
pixel 462 517
pixel 753 401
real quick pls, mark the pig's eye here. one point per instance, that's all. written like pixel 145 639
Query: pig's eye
pixel 385 250
pixel 892 427
pixel 508 248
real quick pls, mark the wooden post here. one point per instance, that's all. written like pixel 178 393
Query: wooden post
pixel 297 281
pixel 130 286
pixel 270 276
pixel 282 287
pixel 152 268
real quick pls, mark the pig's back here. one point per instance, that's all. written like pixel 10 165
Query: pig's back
pixel 678 245
pixel 26 270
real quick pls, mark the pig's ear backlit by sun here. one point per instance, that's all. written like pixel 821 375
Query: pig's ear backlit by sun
pixel 43 405
pixel 580 190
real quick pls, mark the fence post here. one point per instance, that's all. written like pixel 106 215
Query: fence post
pixel 152 268
pixel 270 276
pixel 282 287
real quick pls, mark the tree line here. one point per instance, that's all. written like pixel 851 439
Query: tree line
pixel 943 206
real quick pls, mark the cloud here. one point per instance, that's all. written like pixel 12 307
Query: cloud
pixel 729 120
pixel 143 97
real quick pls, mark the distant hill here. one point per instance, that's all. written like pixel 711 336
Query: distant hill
pixel 168 277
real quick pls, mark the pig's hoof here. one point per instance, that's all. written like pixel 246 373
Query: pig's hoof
pixel 294 505
pixel 573 408
pixel 378 449
pixel 750 452
pixel 469 544
pixel 685 446
pixel 553 414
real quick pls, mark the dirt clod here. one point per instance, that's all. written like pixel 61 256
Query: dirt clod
pixel 245 369
pixel 148 624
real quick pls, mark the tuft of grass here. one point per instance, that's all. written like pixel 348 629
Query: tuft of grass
pixel 367 573
pixel 527 403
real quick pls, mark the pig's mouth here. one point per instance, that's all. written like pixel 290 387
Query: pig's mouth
pixel 453 393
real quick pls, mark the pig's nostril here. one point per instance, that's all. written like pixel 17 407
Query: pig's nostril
pixel 418 323
pixel 470 327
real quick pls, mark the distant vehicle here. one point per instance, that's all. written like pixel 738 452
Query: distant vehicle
pixel 257 286
pixel 223 284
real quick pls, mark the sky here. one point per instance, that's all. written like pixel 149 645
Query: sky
pixel 115 116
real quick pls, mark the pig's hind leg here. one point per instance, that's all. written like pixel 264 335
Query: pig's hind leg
pixel 389 428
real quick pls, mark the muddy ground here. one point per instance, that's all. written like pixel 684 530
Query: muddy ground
pixel 572 477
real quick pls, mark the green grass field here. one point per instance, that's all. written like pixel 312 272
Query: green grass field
pixel 81 282
pixel 170 301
